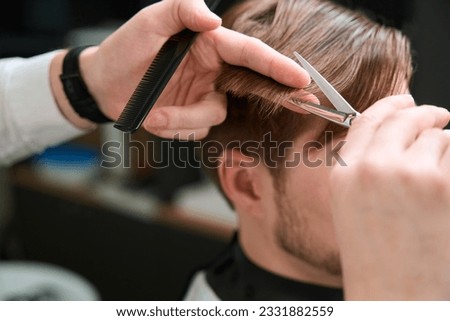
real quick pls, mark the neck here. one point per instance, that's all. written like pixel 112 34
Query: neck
pixel 263 251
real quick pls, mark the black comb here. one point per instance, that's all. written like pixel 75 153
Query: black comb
pixel 159 73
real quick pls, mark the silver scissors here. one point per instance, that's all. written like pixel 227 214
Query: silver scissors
pixel 344 112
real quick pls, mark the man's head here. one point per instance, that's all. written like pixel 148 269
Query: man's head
pixel 274 163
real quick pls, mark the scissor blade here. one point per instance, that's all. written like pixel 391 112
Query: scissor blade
pixel 338 117
pixel 332 94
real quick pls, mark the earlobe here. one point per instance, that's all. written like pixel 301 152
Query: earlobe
pixel 240 180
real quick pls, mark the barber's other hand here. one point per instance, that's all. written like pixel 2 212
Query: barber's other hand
pixel 189 103
pixel 391 203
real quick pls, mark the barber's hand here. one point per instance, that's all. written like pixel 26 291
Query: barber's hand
pixel 189 103
pixel 391 203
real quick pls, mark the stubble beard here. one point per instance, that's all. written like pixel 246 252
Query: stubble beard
pixel 293 235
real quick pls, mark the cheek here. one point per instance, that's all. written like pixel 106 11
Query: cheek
pixel 307 189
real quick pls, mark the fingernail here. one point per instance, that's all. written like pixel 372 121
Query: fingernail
pixel 213 16
pixel 208 14
pixel 305 77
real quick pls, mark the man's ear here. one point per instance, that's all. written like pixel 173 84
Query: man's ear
pixel 240 178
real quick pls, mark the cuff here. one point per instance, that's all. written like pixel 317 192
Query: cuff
pixel 35 119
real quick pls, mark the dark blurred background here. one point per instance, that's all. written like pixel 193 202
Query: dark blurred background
pixel 148 242
pixel 427 23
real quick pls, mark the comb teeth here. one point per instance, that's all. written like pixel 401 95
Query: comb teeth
pixel 159 73
pixel 154 81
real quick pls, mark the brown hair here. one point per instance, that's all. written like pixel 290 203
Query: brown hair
pixel 363 60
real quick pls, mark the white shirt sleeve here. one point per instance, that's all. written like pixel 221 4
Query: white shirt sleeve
pixel 30 120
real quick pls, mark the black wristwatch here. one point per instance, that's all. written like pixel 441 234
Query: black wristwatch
pixel 76 90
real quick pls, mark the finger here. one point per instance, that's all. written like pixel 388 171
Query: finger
pixel 196 15
pixel 429 147
pixel 445 160
pixel 185 134
pixel 300 96
pixel 241 50
pixel 365 126
pixel 210 111
pixel 178 15
pixel 398 132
